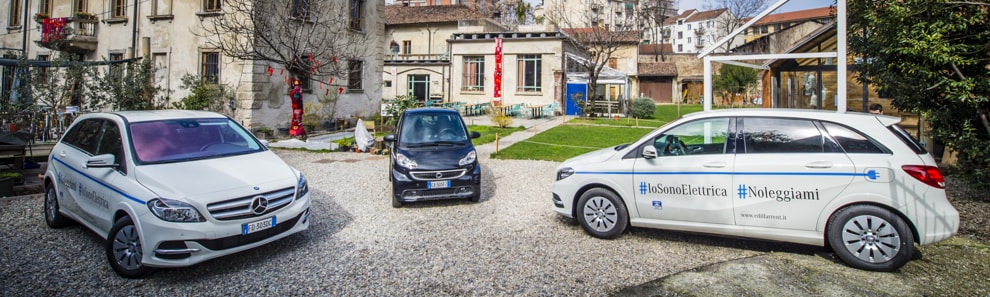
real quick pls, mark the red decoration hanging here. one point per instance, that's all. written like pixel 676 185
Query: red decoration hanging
pixel 270 70
pixel 281 71
pixel 340 90
pixel 330 82
pixel 327 93
pixel 311 57
pixel 335 59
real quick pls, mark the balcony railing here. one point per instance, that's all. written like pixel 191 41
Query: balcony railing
pixel 417 57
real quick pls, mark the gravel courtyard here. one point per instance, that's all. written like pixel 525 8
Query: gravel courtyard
pixel 510 243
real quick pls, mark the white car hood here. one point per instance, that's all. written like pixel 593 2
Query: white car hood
pixel 218 179
pixel 592 157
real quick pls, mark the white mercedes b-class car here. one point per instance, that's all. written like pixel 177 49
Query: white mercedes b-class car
pixel 171 188
pixel 857 183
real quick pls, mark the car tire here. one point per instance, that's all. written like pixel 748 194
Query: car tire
pixel 53 218
pixel 396 203
pixel 475 198
pixel 602 214
pixel 870 237
pixel 123 249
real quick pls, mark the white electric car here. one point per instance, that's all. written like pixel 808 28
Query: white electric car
pixel 855 182
pixel 171 188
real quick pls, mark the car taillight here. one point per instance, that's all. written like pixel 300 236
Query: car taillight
pixel 926 174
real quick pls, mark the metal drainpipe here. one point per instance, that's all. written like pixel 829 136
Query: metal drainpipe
pixel 134 31
pixel 24 49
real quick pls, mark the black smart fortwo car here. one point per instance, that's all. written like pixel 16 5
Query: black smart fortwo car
pixel 433 158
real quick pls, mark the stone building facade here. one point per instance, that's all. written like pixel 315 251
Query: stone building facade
pixel 169 32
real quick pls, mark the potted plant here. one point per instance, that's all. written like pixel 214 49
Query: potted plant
pixel 263 132
pixel 344 144
pixel 82 15
pixel 312 117
pixel 7 181
pixel 39 17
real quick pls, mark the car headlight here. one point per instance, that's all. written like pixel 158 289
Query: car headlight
pixel 469 159
pixel 174 211
pixel 404 161
pixel 302 187
pixel 564 173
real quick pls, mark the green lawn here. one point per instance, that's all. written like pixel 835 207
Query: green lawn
pixel 584 135
pixel 563 142
pixel 488 133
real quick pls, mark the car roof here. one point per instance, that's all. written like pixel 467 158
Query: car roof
pixel 828 115
pixel 430 110
pixel 152 115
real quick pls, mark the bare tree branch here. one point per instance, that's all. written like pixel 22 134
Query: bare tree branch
pixel 655 14
pixel 314 37
pixel 738 9
pixel 601 30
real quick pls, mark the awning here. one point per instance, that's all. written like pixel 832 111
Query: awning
pixel 606 76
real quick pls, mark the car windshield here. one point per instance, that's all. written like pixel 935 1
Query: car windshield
pixel 432 129
pixel 189 139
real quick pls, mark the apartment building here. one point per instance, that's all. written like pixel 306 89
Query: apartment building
pixel 692 31
pixel 171 33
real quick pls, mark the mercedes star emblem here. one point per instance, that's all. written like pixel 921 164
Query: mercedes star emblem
pixel 259 205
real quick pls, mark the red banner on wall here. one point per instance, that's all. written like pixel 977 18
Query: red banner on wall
pixel 498 71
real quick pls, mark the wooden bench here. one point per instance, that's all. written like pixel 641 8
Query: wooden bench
pixel 13 155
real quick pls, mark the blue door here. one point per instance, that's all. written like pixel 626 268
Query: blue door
pixel 575 91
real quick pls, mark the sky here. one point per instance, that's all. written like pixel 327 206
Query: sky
pixel 790 6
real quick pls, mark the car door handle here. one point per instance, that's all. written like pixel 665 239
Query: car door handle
pixel 61 154
pixel 714 165
pixel 819 164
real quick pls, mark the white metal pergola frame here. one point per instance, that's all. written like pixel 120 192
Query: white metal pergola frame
pixel 841 53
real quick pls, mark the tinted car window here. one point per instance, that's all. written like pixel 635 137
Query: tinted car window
pixel 85 135
pixel 852 141
pixel 421 128
pixel 695 138
pixel 189 139
pixel 110 143
pixel 907 139
pixel 773 135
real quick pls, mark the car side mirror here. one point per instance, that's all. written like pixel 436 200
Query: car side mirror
pixel 102 161
pixel 475 134
pixel 649 152
pixel 389 138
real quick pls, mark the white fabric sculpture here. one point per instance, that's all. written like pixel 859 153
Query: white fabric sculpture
pixel 362 138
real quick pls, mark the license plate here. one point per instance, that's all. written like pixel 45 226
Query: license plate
pixel 257 226
pixel 440 184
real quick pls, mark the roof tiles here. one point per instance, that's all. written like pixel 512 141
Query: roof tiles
pixel 402 15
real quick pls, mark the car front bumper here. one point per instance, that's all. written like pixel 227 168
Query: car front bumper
pixel 406 189
pixel 169 244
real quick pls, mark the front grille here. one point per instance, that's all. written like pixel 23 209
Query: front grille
pixel 240 208
pixel 443 174
pixel 239 240
pixel 433 194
